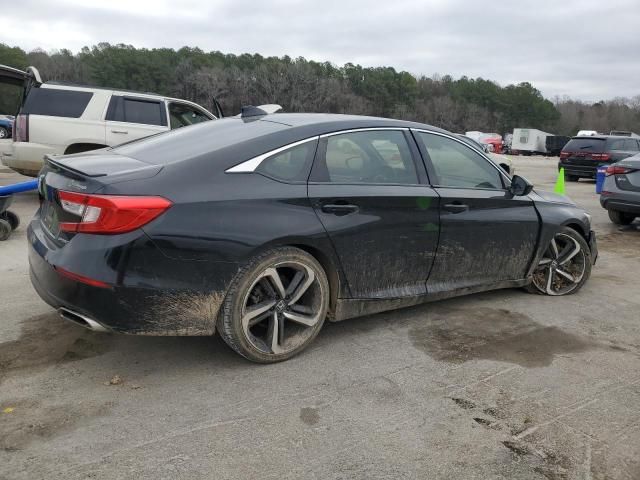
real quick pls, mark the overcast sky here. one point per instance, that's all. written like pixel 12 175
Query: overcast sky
pixel 586 49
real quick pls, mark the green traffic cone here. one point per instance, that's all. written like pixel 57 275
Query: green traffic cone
pixel 559 188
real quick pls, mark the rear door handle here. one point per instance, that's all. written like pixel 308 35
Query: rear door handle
pixel 339 209
pixel 124 132
pixel 455 207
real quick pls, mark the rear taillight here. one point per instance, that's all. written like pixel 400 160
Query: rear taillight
pixel 109 214
pixel 564 154
pixel 603 157
pixel 21 128
pixel 617 170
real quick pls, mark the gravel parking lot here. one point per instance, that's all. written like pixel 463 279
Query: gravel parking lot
pixel 496 385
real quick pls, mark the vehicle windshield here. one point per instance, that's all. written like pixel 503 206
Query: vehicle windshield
pixel 585 144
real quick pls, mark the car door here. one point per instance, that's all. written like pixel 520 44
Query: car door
pixel 371 197
pixel 129 118
pixel 487 236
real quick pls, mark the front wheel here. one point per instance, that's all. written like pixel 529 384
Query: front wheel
pixel 620 218
pixel 564 267
pixel 275 306
pixel 4 133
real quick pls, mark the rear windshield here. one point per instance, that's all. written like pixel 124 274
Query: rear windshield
pixel 56 103
pixel 204 138
pixel 585 144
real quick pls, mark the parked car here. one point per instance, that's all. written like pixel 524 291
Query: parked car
pixel 6 126
pixel 260 228
pixel 555 143
pixel 56 118
pixel 581 157
pixel 505 162
pixel 624 133
pixel 529 141
pixel 620 194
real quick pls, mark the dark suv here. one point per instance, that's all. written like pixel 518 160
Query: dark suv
pixel 583 155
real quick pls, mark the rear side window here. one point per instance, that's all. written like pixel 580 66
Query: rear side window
pixel 56 103
pixel 373 157
pixel 137 110
pixel 585 144
pixel 290 165
pixel 631 145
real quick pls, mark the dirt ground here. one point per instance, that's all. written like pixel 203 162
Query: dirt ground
pixel 501 385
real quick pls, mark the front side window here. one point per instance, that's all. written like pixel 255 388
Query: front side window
pixel 457 165
pixel 378 157
pixel 290 165
pixel 137 110
pixel 183 115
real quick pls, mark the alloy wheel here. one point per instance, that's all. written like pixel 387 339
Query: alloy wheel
pixel 281 307
pixel 562 266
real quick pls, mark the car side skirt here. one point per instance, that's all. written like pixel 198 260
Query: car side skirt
pixel 351 308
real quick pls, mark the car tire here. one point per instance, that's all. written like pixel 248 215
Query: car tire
pixel 5 230
pixel 275 306
pixel 564 267
pixel 10 217
pixel 572 178
pixel 4 133
pixel 620 218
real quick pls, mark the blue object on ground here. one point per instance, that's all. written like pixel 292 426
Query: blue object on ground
pixel 600 174
pixel 19 187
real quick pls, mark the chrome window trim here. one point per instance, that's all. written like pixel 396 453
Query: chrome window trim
pixel 364 129
pixel 252 164
pixel 481 153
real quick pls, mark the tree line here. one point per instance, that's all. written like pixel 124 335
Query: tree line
pixel 301 85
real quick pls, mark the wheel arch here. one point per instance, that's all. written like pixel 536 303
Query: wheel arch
pixel 80 147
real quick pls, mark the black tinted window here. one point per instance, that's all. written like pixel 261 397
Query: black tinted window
pixel 290 165
pixel 381 157
pixel 56 103
pixel 616 144
pixel 585 144
pixel 457 165
pixel 134 110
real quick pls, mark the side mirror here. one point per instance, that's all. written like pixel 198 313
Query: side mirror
pixel 520 186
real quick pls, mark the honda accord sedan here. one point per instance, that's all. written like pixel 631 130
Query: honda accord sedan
pixel 264 226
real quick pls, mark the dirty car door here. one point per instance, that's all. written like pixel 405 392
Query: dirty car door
pixel 486 236
pixel 382 221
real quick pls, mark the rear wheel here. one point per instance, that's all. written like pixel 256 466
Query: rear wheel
pixel 10 217
pixel 5 229
pixel 621 218
pixel 572 178
pixel 275 306
pixel 565 266
pixel 4 133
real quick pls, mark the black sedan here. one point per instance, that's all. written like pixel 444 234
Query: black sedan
pixel 261 227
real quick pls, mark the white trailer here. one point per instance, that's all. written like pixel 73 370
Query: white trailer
pixel 529 141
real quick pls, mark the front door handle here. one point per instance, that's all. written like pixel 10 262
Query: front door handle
pixel 124 132
pixel 339 209
pixel 455 207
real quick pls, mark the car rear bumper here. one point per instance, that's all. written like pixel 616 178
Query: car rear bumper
pixel 171 306
pixel 619 204
pixel 26 157
pixel 585 171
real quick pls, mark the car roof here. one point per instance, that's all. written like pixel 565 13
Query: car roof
pixel 91 87
pixel 328 122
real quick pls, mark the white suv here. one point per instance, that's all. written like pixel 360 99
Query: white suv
pixel 63 119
